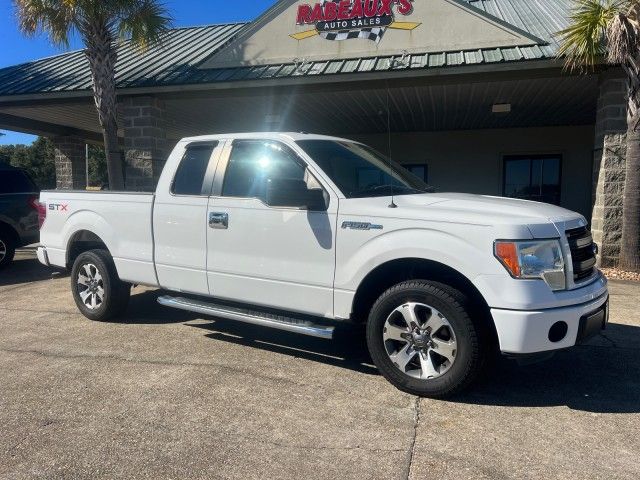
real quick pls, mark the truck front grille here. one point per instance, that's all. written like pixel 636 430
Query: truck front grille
pixel 583 253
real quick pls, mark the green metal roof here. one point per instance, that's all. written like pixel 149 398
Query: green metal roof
pixel 176 61
pixel 542 18
pixel 173 61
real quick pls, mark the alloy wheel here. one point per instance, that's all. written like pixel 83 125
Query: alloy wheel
pixel 90 286
pixel 419 341
pixel 3 250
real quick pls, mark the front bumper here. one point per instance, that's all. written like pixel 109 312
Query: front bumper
pixel 526 332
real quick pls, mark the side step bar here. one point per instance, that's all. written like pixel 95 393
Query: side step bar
pixel 290 324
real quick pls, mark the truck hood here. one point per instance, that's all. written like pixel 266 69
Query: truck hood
pixel 489 207
pixel 542 220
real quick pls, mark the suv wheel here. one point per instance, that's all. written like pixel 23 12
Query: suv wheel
pixel 97 290
pixel 422 339
pixel 7 248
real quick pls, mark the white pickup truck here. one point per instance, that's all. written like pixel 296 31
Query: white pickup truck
pixel 298 232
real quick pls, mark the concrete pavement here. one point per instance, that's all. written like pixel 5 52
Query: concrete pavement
pixel 168 394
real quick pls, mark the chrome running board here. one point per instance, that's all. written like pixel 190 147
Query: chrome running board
pixel 289 324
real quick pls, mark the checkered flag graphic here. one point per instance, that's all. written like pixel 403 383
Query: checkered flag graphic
pixel 369 33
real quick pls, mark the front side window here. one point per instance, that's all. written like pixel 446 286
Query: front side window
pixel 253 163
pixel 359 171
pixel 191 173
pixel 533 177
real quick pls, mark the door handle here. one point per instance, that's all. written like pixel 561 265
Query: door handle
pixel 218 220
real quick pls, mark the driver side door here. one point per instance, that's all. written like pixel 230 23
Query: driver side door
pixel 275 256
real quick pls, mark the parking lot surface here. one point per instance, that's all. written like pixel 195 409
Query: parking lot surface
pixel 169 394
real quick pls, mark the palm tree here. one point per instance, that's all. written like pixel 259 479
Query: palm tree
pixel 99 23
pixel 609 31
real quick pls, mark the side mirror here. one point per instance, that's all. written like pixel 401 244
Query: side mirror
pixel 289 192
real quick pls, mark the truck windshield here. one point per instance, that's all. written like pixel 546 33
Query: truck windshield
pixel 359 171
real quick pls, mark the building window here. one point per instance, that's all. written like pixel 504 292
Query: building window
pixel 533 177
pixel 420 170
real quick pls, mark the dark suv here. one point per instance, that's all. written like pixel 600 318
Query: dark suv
pixel 19 209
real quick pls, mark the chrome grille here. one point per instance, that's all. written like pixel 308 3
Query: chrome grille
pixel 583 253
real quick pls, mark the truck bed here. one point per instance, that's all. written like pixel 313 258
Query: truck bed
pixel 120 220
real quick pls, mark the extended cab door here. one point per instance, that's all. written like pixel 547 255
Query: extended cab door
pixel 180 217
pixel 265 246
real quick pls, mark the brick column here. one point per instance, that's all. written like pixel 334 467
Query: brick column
pixel 70 163
pixel 609 166
pixel 145 141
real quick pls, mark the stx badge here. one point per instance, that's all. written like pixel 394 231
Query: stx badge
pixel 60 207
pixel 348 19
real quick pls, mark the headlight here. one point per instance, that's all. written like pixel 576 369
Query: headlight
pixel 533 259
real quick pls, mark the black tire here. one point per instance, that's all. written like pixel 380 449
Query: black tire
pixel 470 353
pixel 116 293
pixel 7 246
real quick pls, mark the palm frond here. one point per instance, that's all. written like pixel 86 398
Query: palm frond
pixel 583 42
pixel 143 22
pixel 53 17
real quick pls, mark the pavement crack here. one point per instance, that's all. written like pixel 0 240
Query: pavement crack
pixel 412 447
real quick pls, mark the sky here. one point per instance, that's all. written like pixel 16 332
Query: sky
pixel 15 48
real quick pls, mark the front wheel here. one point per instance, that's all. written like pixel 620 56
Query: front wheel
pixel 422 339
pixel 97 290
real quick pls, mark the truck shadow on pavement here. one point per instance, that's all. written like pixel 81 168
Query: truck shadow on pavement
pixel 600 377
pixel 593 378
pixel 26 270
pixel 348 349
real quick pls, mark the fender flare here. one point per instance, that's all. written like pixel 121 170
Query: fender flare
pixel 409 243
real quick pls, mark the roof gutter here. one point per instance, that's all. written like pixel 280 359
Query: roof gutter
pixel 535 68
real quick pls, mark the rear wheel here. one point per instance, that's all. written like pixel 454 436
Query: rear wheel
pixel 97 290
pixel 7 248
pixel 422 339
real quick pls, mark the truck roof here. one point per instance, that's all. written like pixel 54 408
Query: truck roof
pixel 291 136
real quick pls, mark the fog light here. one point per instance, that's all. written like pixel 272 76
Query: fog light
pixel 558 331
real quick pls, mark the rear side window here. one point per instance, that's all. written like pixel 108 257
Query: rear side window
pixel 15 181
pixel 191 173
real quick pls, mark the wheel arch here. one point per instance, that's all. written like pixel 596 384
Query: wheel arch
pixel 82 241
pixel 392 272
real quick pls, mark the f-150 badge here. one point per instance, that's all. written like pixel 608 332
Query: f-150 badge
pixel 361 226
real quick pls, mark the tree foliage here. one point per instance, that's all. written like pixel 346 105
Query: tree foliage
pixel 97 167
pixel 609 30
pixel 100 24
pixel 38 159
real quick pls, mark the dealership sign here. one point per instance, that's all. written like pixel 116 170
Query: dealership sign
pixel 349 19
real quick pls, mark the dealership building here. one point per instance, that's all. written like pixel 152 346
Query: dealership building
pixel 470 93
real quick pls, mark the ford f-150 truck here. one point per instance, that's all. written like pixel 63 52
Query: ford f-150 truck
pixel 299 232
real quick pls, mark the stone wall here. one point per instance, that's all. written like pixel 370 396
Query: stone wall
pixel 145 141
pixel 609 166
pixel 70 163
